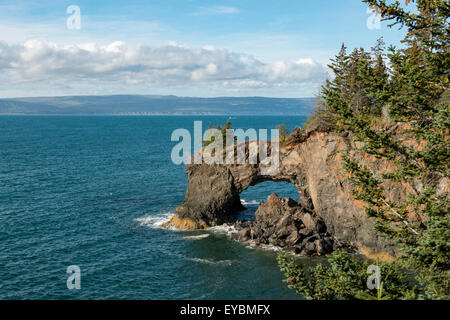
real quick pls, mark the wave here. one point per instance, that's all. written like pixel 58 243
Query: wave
pixel 199 237
pixel 270 247
pixel 251 202
pixel 223 229
pixel 155 221
pixel 267 247
pixel 205 261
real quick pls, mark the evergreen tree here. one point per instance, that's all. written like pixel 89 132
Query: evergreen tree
pixel 223 130
pixel 283 132
pixel 378 79
pixel 416 92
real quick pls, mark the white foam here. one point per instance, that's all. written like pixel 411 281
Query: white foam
pixel 250 244
pixel 270 247
pixel 223 229
pixel 199 237
pixel 267 247
pixel 251 202
pixel 205 261
pixel 155 221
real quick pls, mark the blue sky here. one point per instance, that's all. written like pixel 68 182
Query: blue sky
pixel 181 47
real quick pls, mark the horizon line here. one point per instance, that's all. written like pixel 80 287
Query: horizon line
pixel 153 95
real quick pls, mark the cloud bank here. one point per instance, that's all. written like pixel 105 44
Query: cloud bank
pixel 38 63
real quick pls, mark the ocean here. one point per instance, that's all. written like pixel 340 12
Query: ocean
pixel 92 191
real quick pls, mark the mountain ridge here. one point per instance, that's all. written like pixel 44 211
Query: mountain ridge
pixel 155 105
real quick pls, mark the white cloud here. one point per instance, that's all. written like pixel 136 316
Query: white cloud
pixel 217 10
pixel 45 65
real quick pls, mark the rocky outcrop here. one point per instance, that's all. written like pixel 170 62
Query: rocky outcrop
pixel 286 224
pixel 311 161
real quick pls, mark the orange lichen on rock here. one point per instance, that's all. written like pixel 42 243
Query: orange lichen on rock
pixel 185 224
pixel 360 204
pixel 381 256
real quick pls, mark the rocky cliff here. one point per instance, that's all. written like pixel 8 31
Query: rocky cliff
pixel 311 161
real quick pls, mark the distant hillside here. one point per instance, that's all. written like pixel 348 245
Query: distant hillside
pixel 157 105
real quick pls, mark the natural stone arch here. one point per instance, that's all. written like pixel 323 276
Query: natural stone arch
pixel 311 162
pixel 213 192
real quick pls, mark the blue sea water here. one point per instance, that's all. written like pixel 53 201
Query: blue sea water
pixel 92 191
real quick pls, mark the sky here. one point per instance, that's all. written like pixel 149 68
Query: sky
pixel 204 48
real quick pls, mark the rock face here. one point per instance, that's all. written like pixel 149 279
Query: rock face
pixel 212 197
pixel 311 161
pixel 284 223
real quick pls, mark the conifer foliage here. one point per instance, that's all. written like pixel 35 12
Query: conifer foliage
pixel 410 99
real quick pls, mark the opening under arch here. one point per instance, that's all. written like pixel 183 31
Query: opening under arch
pixel 251 197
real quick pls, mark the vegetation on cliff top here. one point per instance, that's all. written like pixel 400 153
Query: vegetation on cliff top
pixel 398 112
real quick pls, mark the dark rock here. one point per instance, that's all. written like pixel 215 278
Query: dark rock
pixel 235 236
pixel 297 249
pixel 311 238
pixel 244 235
pixel 309 248
pixel 293 239
pixel 308 221
pixel 278 222
pixel 257 232
pixel 323 246
pixel 304 233
pixel 320 226
pixel 291 203
pixel 285 221
pixel 268 232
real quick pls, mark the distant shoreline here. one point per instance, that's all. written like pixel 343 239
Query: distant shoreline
pixel 139 105
pixel 153 115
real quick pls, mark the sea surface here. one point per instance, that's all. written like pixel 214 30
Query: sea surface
pixel 92 191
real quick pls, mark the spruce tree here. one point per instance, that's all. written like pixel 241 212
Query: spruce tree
pixel 416 95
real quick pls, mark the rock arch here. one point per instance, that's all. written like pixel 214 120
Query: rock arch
pixel 311 161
